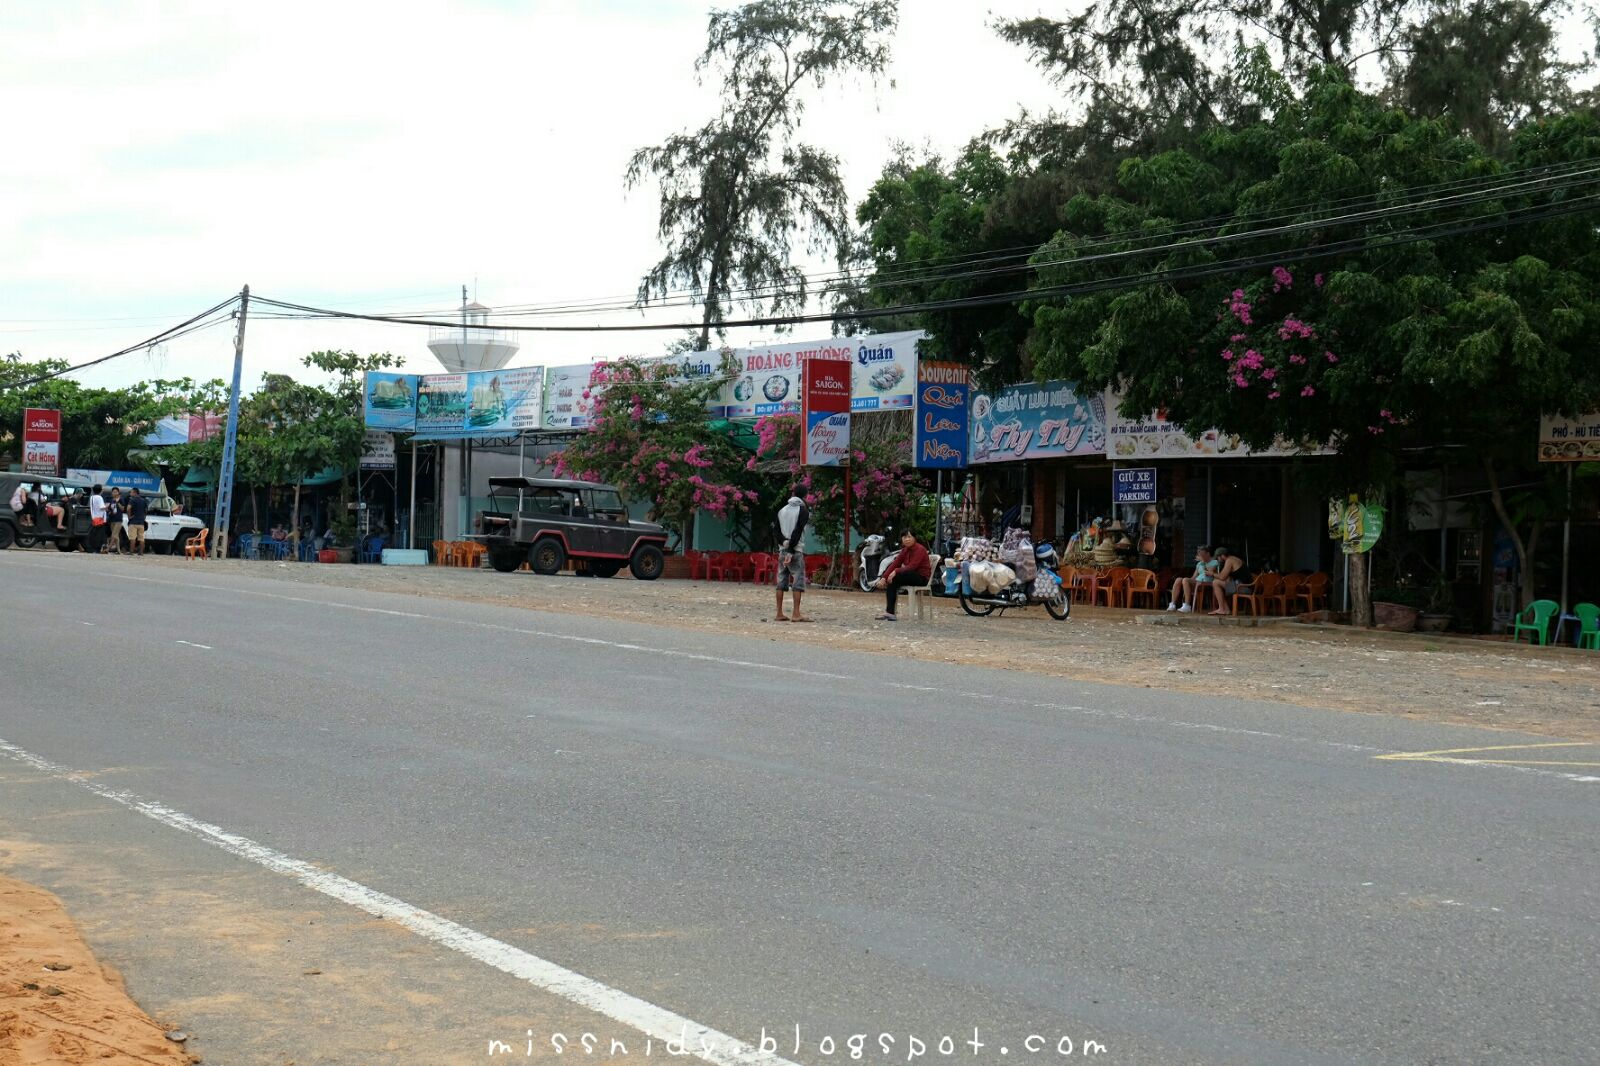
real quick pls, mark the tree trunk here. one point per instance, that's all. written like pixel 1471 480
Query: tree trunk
pixel 1360 595
pixel 1525 587
pixel 294 519
pixel 255 512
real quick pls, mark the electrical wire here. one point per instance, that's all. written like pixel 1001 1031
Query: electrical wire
pixel 1520 216
pixel 183 328
pixel 1477 189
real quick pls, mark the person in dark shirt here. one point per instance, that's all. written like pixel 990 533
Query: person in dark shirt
pixel 138 509
pixel 911 568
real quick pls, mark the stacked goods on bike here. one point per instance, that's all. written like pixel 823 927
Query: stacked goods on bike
pixel 1013 574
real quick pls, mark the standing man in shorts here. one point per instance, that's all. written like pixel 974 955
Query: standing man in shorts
pixel 792 520
pixel 138 510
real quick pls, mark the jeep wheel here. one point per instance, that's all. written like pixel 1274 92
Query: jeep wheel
pixel 8 536
pixel 604 567
pixel 547 557
pixel 647 562
pixel 505 561
pixel 65 544
pixel 27 540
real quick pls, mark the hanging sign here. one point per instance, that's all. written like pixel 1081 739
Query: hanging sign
pixel 1137 485
pixel 825 412
pixel 942 431
pixel 378 452
pixel 1355 525
pixel 41 441
pixel 1569 440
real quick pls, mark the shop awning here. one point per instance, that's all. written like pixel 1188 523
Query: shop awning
pixel 198 479
pixel 328 475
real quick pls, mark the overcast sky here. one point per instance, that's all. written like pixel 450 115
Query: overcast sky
pixel 377 156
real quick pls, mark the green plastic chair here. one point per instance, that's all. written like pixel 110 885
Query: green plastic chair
pixel 1542 611
pixel 1589 625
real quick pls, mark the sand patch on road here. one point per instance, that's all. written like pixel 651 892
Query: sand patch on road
pixel 58 1004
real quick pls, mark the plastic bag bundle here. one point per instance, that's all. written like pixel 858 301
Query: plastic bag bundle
pixel 976 550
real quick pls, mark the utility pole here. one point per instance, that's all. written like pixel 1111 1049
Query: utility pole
pixel 230 442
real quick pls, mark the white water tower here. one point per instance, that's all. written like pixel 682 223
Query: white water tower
pixel 473 345
pixel 462 349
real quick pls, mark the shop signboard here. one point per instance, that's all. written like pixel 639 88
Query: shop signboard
pixel 767 379
pixel 570 392
pixel 1036 421
pixel 41 441
pixel 1135 485
pixel 1569 440
pixel 885 374
pixel 825 412
pixel 942 432
pixel 148 484
pixel 501 402
pixel 442 403
pixel 389 401
pixel 1155 437
pixel 378 451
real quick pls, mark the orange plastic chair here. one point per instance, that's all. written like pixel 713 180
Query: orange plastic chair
pixel 1263 591
pixel 1112 585
pixel 441 553
pixel 1288 593
pixel 1315 591
pixel 195 546
pixel 1141 583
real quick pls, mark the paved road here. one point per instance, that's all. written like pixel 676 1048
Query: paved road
pixel 850 843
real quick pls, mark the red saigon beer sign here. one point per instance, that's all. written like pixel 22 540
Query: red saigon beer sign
pixel 41 441
pixel 825 412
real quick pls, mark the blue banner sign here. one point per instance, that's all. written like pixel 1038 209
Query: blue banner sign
pixel 942 432
pixel 1137 485
pixel 389 401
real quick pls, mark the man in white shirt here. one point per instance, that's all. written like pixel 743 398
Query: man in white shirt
pixel 97 520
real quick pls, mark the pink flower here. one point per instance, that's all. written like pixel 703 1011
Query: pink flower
pixel 1317 281
pixel 1269 373
pixel 1297 360
pixel 1308 391
pixel 1281 278
pixel 1240 381
pixel 1331 357
pixel 1237 337
pixel 1274 394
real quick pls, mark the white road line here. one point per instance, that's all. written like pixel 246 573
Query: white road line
pixel 192 644
pixel 1093 712
pixel 702 1041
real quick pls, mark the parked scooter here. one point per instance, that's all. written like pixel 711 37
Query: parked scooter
pixel 874 557
pixel 1045 588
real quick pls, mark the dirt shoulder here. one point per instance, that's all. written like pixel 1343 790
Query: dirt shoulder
pixel 1551 691
pixel 58 1004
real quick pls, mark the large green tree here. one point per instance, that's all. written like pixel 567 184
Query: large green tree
pixel 1378 345
pixel 1144 75
pixel 99 426
pixel 737 193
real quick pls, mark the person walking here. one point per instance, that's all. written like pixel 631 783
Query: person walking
pixel 97 520
pixel 911 568
pixel 792 520
pixel 138 511
pixel 113 545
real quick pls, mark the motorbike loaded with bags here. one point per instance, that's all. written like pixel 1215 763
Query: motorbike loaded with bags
pixel 1014 574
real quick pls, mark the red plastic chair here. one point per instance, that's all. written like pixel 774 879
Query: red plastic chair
pixel 766 568
pixel 697 564
pixel 716 568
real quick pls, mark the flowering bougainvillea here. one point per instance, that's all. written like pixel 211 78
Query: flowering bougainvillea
pixel 882 487
pixel 650 438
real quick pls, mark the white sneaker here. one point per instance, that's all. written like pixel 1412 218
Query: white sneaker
pixel 1172 607
pixel 1185 609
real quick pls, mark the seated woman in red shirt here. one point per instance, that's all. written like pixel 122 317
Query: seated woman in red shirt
pixel 910 569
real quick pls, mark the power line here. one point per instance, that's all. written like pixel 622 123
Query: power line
pixel 181 329
pixel 1435 231
pixel 1463 191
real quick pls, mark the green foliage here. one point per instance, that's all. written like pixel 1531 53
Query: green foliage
pixel 99 425
pixel 650 438
pixel 737 193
